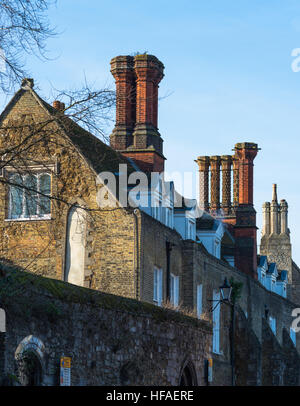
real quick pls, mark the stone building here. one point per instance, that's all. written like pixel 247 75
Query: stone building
pixel 57 222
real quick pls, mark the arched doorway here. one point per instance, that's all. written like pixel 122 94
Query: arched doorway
pixel 188 375
pixel 29 361
pixel 75 246
pixel 29 369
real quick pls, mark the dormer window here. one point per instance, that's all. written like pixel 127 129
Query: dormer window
pixel 28 196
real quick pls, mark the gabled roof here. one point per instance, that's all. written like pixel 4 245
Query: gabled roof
pixel 99 156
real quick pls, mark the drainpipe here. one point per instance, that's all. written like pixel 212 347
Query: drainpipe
pixel 136 255
pixel 169 247
pixel 232 344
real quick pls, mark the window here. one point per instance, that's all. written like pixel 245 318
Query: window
pixel 28 201
pixel 216 322
pixel 156 210
pixel 190 230
pixel 199 301
pixel 217 249
pixel 157 286
pixel 272 322
pixel 174 294
pixel 169 217
pixel 293 335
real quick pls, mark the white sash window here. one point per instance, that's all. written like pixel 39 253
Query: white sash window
pixel 216 322
pixel 174 294
pixel 157 286
pixel 29 200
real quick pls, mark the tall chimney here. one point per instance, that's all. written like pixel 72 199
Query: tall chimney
pixel 147 144
pixel 246 153
pixel 136 134
pixel 235 170
pixel 284 217
pixel 122 68
pixel 215 162
pixel 245 230
pixel 203 163
pixel 266 219
pixel 226 161
pixel 274 212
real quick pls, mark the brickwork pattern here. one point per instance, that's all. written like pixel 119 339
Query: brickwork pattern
pixel 215 162
pixel 226 184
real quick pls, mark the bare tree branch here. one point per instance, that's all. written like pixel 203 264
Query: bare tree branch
pixel 24 29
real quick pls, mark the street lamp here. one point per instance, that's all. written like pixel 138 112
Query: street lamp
pixel 225 290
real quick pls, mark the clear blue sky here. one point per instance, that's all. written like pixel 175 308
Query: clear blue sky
pixel 228 77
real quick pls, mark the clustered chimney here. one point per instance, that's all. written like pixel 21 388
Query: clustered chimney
pixel 58 105
pixel 234 174
pixel 136 134
pixel 275 242
pixel 275 216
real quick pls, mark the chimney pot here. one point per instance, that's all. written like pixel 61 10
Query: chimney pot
pixel 58 105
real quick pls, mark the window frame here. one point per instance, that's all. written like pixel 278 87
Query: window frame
pixel 216 323
pixel 157 286
pixel 38 175
pixel 174 290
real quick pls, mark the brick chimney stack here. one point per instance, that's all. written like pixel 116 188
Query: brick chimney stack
pixel 215 162
pixel 236 209
pixel 203 163
pixel 245 230
pixel 246 153
pixel 58 105
pixel 122 69
pixel 135 134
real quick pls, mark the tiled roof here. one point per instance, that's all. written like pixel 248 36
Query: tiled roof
pixel 99 156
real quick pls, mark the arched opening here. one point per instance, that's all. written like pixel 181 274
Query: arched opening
pixel 29 369
pixel 29 361
pixel 188 375
pixel 75 246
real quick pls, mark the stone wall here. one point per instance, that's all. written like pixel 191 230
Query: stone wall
pixel 295 288
pixel 280 364
pixel 111 340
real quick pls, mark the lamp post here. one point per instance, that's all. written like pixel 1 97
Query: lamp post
pixel 225 292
